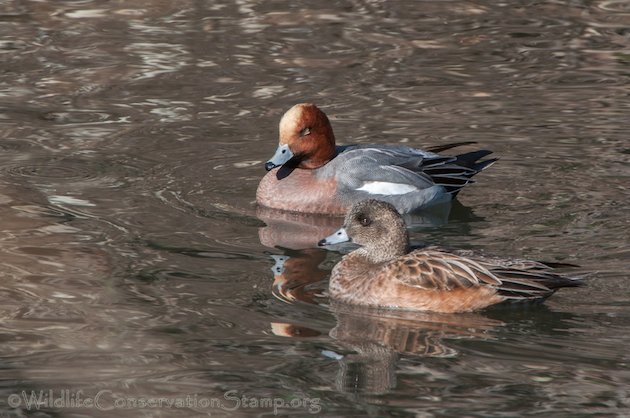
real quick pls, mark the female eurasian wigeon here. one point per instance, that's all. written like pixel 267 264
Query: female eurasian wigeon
pixel 383 273
pixel 310 174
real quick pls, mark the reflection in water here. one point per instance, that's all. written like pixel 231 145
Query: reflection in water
pixel 293 230
pixel 377 337
pixel 294 274
pixel 298 231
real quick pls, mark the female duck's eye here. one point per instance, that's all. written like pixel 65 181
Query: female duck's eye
pixel 305 131
pixel 365 221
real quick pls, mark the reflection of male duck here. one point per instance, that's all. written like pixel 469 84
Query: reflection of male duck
pixel 297 230
pixel 293 230
pixel 293 275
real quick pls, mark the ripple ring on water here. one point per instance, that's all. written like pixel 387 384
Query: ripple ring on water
pixel 50 171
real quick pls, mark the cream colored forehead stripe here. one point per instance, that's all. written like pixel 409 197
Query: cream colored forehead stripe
pixel 289 120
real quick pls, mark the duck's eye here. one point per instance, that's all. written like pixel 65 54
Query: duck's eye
pixel 365 221
pixel 305 131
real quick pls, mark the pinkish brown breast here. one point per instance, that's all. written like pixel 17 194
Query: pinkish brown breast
pixel 301 191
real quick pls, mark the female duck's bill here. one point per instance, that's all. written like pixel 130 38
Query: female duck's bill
pixel 384 273
pixel 337 238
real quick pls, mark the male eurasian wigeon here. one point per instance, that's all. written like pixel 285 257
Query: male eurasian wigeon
pixel 383 273
pixel 310 174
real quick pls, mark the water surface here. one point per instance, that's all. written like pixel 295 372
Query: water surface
pixel 135 263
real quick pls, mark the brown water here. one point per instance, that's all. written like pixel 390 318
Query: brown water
pixel 135 266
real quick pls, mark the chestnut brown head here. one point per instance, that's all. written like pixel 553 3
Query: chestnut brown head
pixel 306 138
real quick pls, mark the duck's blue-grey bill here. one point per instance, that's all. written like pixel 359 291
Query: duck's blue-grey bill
pixel 282 155
pixel 337 238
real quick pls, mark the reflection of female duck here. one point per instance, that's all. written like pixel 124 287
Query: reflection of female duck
pixel 371 340
pixel 377 337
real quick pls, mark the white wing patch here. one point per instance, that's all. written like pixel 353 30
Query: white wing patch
pixel 386 188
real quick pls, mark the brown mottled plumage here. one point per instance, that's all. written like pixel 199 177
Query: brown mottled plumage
pixel 383 273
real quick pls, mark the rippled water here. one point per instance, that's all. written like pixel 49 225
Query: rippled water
pixel 136 266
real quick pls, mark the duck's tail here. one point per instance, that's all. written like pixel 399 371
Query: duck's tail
pixel 530 285
pixel 457 171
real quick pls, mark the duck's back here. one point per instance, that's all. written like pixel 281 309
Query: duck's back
pixel 395 174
